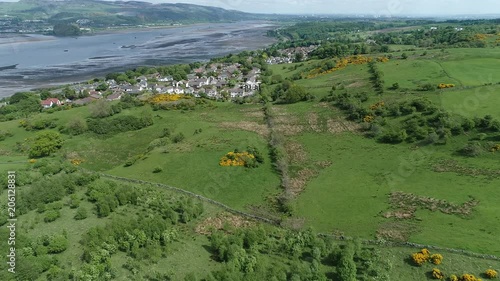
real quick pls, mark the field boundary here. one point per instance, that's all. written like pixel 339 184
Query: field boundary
pixel 277 223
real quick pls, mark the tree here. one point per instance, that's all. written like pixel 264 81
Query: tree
pixel 29 105
pixel 404 56
pixel 77 126
pixel 294 94
pixel 17 97
pixel 57 244
pixel 102 87
pixel 347 267
pixel 100 109
pixel 66 29
pixel 45 143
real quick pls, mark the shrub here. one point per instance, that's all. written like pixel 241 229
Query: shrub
pixel 427 87
pixel 418 258
pixel 490 274
pixel 444 86
pixel 178 138
pixel 469 277
pixel 157 170
pixel 45 143
pixel 436 259
pixel 421 257
pixel 51 215
pixel 77 126
pixel 453 277
pixel 472 149
pixel 437 274
pixel 244 159
pixel 81 214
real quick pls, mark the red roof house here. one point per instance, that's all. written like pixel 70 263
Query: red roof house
pixel 48 103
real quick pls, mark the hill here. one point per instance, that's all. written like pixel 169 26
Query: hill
pixel 44 14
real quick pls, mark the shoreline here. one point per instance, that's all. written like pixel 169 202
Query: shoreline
pixel 19 38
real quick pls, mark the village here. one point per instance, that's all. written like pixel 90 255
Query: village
pixel 216 81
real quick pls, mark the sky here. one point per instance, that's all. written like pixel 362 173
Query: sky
pixel 375 7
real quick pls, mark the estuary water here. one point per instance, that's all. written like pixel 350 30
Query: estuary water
pixel 46 61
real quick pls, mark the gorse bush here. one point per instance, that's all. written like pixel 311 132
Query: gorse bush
pixel 469 277
pixel 491 274
pixel 436 259
pixel 421 257
pixel 437 274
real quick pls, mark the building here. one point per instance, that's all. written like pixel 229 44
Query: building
pixel 48 103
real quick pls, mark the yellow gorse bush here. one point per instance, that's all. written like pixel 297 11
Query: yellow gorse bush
pixel 165 98
pixel 382 59
pixel 436 259
pixel 377 105
pixel 490 273
pixel 32 161
pixel 453 277
pixel 235 159
pixel 495 148
pixel 368 118
pixel 437 274
pixel 76 162
pixel 421 257
pixel 445 86
pixel 340 64
pixel 469 277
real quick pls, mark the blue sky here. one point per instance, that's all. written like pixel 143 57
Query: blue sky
pixel 378 7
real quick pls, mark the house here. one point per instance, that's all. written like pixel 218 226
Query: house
pixel 48 103
pixel 179 90
pixel 212 92
pixel 236 92
pixel 84 101
pixel 95 94
pixel 115 96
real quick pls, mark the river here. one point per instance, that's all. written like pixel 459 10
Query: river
pixel 47 61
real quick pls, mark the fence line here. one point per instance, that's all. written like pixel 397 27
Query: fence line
pixel 277 223
pixel 200 197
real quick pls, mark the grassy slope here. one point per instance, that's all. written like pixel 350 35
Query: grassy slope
pixel 350 195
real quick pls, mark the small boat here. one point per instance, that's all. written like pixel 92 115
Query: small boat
pixel 8 67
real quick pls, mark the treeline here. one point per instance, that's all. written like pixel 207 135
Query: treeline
pixel 322 30
pixel 377 77
pixel 442 37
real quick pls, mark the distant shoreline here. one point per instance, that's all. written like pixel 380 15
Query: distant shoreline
pixel 18 38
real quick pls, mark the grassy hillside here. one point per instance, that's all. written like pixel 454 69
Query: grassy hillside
pixel 101 14
pixel 352 195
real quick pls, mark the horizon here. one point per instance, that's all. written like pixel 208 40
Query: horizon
pixel 393 8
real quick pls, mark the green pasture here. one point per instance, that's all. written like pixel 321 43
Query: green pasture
pixel 351 195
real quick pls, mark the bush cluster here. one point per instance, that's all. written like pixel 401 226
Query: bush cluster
pixel 119 124
pixel 424 256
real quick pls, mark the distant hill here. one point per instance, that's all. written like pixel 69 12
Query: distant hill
pixel 93 13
